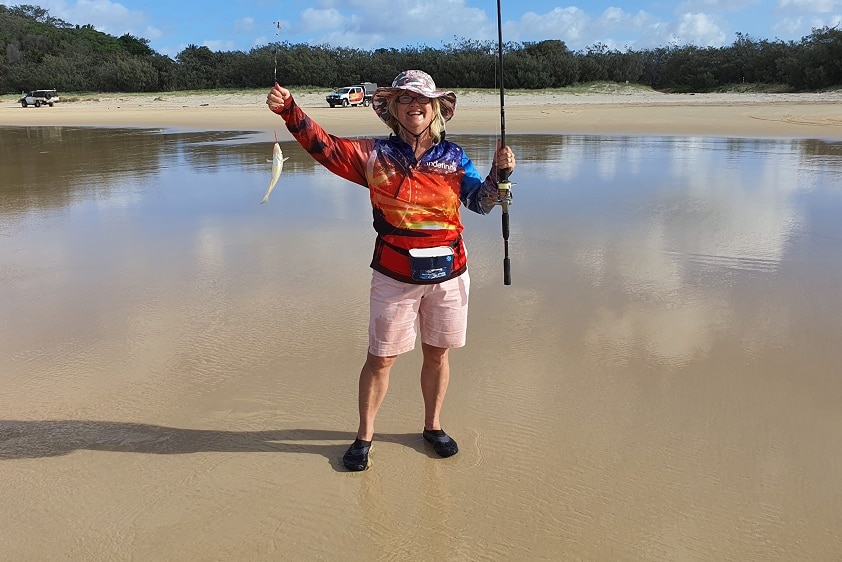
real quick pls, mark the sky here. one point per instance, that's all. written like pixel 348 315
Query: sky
pixel 240 25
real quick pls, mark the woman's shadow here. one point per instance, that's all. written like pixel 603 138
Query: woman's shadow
pixel 53 438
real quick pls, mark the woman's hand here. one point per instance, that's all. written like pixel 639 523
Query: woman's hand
pixel 278 98
pixel 504 159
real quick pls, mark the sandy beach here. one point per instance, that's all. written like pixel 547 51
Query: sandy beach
pixel 626 112
pixel 659 383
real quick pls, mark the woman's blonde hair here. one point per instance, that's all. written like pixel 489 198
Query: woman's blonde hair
pixel 436 126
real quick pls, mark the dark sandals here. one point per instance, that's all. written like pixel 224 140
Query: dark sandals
pixel 356 457
pixel 443 444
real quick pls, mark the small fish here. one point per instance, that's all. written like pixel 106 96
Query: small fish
pixel 277 166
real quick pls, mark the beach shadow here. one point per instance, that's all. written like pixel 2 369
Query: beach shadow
pixel 54 438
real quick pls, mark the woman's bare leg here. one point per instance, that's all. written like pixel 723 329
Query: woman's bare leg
pixel 435 376
pixel 374 383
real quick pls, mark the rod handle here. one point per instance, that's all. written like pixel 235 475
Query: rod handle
pixel 504 195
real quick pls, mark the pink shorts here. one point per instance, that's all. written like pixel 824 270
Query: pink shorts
pixel 399 309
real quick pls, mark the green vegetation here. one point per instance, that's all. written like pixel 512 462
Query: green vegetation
pixel 40 51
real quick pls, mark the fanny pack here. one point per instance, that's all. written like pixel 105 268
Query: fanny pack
pixel 430 264
pixel 424 268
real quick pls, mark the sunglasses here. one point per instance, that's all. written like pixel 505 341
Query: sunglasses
pixel 423 100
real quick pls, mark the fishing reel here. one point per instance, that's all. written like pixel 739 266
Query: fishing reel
pixel 504 198
pixel 504 194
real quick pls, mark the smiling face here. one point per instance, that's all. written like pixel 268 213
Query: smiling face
pixel 414 116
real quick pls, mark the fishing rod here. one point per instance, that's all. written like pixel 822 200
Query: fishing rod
pixel 504 186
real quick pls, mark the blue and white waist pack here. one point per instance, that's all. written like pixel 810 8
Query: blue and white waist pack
pixel 431 264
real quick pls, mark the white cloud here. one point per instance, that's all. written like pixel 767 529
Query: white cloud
pixel 312 20
pixel 613 16
pixel 108 17
pixel 615 19
pixel 373 23
pixel 709 6
pixel 614 28
pixel 220 45
pixel 430 21
pixel 802 26
pixel 699 29
pixel 244 25
pixel 788 27
pixel 570 23
pixel 812 6
pixel 152 33
pixel 366 42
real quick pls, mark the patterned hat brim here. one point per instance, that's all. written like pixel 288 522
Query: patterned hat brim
pixel 381 97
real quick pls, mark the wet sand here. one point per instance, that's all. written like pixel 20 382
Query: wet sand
pixel 197 409
pixel 735 115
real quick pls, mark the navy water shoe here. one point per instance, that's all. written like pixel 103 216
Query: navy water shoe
pixel 443 444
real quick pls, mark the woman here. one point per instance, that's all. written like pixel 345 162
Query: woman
pixel 417 181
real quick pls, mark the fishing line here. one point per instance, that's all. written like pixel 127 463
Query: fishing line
pixel 496 66
pixel 277 25
pixel 275 51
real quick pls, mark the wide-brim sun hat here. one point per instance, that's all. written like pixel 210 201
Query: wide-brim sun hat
pixel 416 81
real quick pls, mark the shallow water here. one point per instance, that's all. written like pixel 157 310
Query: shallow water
pixel 179 362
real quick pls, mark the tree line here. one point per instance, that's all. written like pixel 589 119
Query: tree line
pixel 41 51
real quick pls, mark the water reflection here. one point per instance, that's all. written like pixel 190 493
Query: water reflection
pixel 663 245
pixel 681 241
pixel 671 342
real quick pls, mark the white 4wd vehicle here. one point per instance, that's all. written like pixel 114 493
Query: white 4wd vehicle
pixel 358 94
pixel 39 98
pixel 350 95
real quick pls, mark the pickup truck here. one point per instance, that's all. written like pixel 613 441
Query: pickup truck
pixel 39 98
pixel 358 94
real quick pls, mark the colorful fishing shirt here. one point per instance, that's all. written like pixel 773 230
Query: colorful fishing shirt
pixel 415 202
